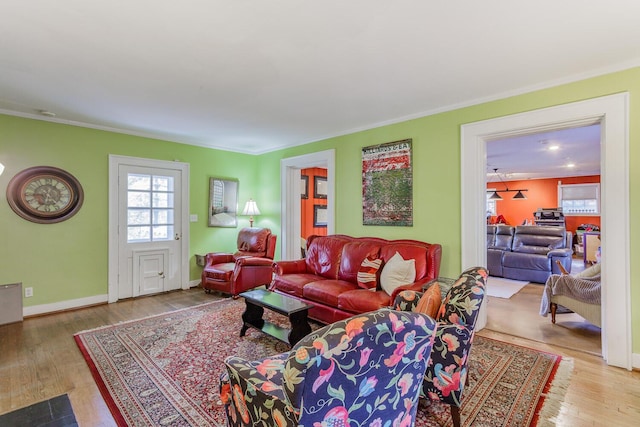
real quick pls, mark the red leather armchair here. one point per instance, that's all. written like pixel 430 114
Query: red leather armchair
pixel 251 266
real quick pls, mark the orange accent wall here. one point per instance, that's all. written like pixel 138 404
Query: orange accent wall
pixel 543 193
pixel 306 211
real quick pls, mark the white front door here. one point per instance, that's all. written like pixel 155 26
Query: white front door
pixel 149 230
pixel 148 204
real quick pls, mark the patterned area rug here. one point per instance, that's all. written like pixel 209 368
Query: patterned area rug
pixel 165 370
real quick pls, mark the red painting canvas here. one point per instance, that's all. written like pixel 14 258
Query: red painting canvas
pixel 387 184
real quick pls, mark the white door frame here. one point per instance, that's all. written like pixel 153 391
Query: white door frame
pixel 612 112
pixel 290 201
pixel 114 164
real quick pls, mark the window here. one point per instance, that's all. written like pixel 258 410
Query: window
pixel 491 204
pixel 149 208
pixel 579 199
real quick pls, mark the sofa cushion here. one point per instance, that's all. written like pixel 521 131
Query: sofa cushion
pixel 292 284
pixel 353 255
pixel 526 261
pixel 430 301
pixel 369 273
pixel 363 300
pixel 397 272
pixel 324 255
pixel 538 239
pixel 503 239
pixel 407 251
pixel 491 235
pixel 327 291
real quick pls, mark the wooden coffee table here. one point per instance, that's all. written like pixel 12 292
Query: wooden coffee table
pixel 257 300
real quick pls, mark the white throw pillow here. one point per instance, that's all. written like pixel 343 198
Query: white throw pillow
pixel 397 272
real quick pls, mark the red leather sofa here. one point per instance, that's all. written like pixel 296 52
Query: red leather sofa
pixel 327 277
pixel 251 266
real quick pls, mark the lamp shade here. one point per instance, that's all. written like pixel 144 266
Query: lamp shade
pixel 251 208
pixel 495 196
pixel 1 168
pixel 519 196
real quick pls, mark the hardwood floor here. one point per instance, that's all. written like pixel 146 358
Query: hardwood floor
pixel 39 360
pixel 519 316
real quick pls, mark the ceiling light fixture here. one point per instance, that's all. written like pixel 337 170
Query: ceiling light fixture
pixel 519 193
pixel 47 113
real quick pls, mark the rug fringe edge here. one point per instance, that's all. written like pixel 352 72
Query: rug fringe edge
pixel 554 398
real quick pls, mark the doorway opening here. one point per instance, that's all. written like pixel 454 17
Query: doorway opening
pixel 612 113
pixel 290 178
pixel 539 163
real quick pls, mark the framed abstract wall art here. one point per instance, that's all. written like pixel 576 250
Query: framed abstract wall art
pixel 387 184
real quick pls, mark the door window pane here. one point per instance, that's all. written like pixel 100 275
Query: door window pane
pixel 138 217
pixel 138 199
pixel 150 208
pixel 138 182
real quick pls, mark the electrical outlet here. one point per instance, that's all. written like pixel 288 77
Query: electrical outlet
pixel 28 292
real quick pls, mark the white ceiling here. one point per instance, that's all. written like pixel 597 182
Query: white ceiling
pixel 555 154
pixel 255 76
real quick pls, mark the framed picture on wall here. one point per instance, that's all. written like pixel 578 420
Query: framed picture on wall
pixel 304 186
pixel 223 202
pixel 319 215
pixel 387 184
pixel 320 187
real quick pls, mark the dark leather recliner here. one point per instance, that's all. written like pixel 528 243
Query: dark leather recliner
pixel 251 266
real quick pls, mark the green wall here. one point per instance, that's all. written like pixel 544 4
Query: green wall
pixel 436 168
pixel 69 260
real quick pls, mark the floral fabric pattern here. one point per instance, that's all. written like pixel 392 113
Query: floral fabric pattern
pixel 446 373
pixel 364 371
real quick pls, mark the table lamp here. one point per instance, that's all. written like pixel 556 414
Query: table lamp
pixel 251 209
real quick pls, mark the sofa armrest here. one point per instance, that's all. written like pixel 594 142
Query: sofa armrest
pixel 560 253
pixel 297 266
pixel 214 258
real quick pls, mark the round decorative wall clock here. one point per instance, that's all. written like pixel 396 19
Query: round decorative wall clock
pixel 45 194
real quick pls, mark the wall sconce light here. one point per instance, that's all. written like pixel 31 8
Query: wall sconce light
pixel 251 209
pixel 495 196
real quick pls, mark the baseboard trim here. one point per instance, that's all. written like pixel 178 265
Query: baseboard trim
pixel 35 310
pixel 635 361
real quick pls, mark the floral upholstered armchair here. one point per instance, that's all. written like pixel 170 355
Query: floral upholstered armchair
pixel 363 371
pixel 446 374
